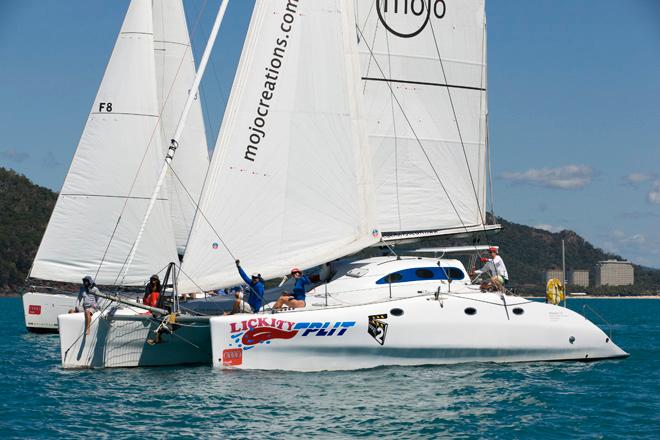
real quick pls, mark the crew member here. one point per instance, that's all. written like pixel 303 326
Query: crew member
pixel 88 299
pixel 256 286
pixel 496 268
pixel 295 299
pixel 152 292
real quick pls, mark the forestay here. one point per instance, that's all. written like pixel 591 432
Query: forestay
pixel 289 180
pixel 113 174
pixel 175 73
pixel 423 68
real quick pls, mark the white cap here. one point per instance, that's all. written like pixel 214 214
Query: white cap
pixel 256 275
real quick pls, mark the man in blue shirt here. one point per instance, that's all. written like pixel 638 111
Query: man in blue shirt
pixel 295 299
pixel 256 288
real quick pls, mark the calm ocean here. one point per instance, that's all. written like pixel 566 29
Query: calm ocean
pixel 611 399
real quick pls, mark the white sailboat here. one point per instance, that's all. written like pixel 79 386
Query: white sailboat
pixel 114 170
pixel 350 123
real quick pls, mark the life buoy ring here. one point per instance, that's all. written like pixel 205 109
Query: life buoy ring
pixel 554 293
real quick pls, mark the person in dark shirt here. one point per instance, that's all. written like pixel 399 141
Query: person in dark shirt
pixel 255 290
pixel 295 299
pixel 152 292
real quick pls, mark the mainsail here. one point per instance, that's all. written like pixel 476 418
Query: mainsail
pixel 289 181
pixel 175 72
pixel 113 173
pixel 423 69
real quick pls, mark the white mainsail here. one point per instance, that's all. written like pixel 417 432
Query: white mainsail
pixel 289 182
pixel 175 73
pixel 113 173
pixel 423 67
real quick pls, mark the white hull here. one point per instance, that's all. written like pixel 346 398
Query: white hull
pixel 426 333
pixel 41 310
pixel 355 321
pixel 114 342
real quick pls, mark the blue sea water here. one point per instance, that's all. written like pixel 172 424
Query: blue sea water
pixel 610 399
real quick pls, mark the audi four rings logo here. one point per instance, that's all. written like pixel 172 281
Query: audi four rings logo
pixel 407 18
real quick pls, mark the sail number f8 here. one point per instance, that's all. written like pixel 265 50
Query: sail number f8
pixel 105 107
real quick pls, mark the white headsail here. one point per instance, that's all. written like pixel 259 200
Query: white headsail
pixel 175 73
pixel 289 178
pixel 113 174
pixel 423 68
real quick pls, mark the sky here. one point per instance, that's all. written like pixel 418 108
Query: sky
pixel 574 102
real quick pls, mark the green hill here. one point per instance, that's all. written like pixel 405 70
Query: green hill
pixel 24 212
pixel 25 209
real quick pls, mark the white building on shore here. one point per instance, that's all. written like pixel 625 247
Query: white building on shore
pixel 614 273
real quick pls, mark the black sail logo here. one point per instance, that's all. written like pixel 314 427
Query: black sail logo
pixel 377 328
pixel 407 18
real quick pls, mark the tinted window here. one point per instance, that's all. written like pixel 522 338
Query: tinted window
pixel 393 278
pixel 455 273
pixel 424 274
pixel 470 311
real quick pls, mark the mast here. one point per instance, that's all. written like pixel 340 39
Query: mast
pixel 179 129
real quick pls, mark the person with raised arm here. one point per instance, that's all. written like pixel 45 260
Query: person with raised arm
pixel 256 287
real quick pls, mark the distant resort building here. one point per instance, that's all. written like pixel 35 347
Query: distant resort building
pixel 578 277
pixel 614 273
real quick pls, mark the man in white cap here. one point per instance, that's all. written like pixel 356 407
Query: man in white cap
pixel 496 268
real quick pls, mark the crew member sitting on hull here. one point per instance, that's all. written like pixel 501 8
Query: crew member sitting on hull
pixel 152 292
pixel 88 296
pixel 496 268
pixel 295 299
pixel 256 286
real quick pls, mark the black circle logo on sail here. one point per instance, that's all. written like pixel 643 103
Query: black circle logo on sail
pixel 407 18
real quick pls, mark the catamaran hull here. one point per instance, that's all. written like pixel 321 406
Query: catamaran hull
pixel 413 331
pixel 120 340
pixel 41 310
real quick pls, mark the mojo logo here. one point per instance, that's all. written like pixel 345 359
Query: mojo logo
pixel 407 18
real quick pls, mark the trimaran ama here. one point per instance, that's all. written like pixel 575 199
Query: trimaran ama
pixel 349 123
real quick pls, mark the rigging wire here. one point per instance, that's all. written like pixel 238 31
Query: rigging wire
pixel 412 129
pixel 458 128
pixel 148 147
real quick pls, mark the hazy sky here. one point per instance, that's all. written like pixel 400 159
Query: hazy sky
pixel 574 90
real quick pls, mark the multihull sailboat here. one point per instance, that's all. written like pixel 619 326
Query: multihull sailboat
pixel 107 189
pixel 351 124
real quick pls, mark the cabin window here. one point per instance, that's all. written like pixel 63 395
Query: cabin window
pixel 470 311
pixel 518 311
pixel 422 274
pixel 396 312
pixel 393 278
